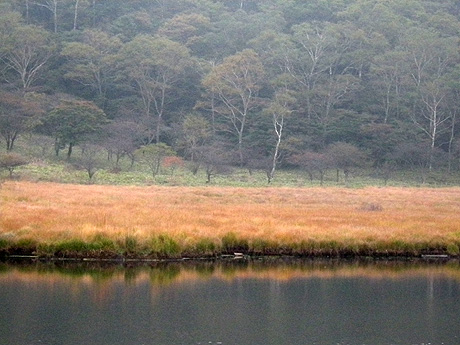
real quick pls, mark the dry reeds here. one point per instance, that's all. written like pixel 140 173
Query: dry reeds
pixel 56 219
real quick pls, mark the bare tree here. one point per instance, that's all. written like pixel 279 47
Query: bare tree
pixel 236 82
pixel 279 110
pixel 122 139
pixel 52 6
pixel 19 113
pixel 27 52
pixel 89 160
pixel 154 65
pixel 313 162
pixel 345 157
pixel 215 160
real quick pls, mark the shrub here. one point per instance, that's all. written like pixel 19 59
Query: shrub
pixel 24 246
pixel 231 243
pixel 4 243
pixel 165 247
pixel 453 249
pixel 130 244
pixel 10 161
pixel 263 247
pixel 205 247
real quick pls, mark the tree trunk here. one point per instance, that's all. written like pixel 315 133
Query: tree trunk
pixel 75 17
pixel 240 148
pixel 451 141
pixel 55 16
pixel 27 12
pixel 57 147
pixel 157 132
pixel 69 152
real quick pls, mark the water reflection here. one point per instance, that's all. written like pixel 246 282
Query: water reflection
pixel 235 302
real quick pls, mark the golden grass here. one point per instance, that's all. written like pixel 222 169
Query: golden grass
pixel 349 218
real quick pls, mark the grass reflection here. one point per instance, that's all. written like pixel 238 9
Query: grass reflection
pixel 165 274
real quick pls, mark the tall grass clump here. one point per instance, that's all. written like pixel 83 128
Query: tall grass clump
pixel 163 246
pixel 130 245
pixel 4 243
pixel 205 247
pixel 231 243
pixel 260 246
pixel 453 249
pixel 25 246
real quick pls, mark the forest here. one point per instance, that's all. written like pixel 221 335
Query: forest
pixel 317 85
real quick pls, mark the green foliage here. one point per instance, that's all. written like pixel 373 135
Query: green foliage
pixel 164 246
pixel 453 249
pixel 71 121
pixel 130 245
pixel 380 75
pixel 164 275
pixel 231 243
pixel 260 246
pixel 205 247
pixel 100 246
pixel 4 244
pixel 25 246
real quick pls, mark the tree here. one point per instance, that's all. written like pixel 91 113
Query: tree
pixel 196 130
pixel 387 77
pixel 76 9
pixel 236 82
pixel 89 160
pixel 121 138
pixel 278 110
pixel 91 62
pixel 19 113
pixel 154 65
pixel 11 161
pixel 153 155
pixel 172 163
pixel 215 160
pixel 52 6
pixel 430 60
pixel 72 121
pixel 313 162
pixel 414 156
pixel 345 157
pixel 320 73
pixel 185 28
pixel 26 52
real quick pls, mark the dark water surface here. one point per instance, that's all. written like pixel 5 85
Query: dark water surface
pixel 232 303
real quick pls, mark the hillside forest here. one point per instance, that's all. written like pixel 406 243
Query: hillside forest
pixel 317 85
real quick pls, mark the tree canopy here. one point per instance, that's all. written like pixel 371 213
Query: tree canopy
pixel 380 77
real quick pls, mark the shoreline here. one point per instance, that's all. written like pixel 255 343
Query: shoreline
pixel 133 258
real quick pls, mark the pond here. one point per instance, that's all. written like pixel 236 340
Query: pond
pixel 260 302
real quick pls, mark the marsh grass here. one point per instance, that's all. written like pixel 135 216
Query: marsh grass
pixel 66 220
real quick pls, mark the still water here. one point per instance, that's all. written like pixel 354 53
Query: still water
pixel 231 303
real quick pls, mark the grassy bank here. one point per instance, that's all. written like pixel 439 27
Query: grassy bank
pixel 57 220
pixel 44 166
